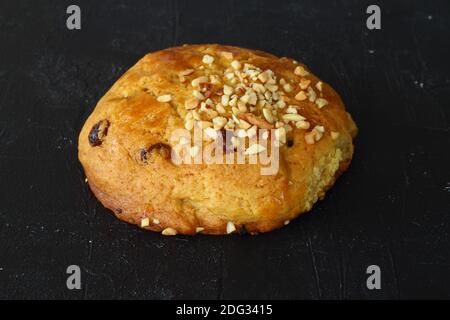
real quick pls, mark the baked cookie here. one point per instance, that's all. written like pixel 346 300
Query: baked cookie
pixel 137 144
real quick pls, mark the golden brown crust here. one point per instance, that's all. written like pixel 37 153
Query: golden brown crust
pixel 138 184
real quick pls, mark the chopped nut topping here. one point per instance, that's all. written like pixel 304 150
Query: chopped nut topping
pixel 254 149
pixel 319 86
pixel 301 95
pixel 318 132
pixel 220 108
pixel 199 229
pixel 244 124
pixel 164 98
pixel 319 129
pixel 321 102
pixel 219 122
pixel 302 124
pixel 263 77
pixel 253 119
pixel 242 108
pixel 272 87
pixel 214 79
pixel 229 75
pixel 227 90
pixel 233 102
pixel 268 115
pixel 191 103
pixel 311 94
pixel 208 59
pixel 210 132
pixel 204 124
pixel 227 55
pixel 280 135
pixel 280 104
pixel 245 98
pixel 292 117
pixel 287 87
pixel 198 95
pixel 169 232
pixel 145 222
pixel 156 221
pixel 300 71
pixel 225 99
pixel 189 125
pixel 304 83
pixel 236 65
pixel 230 227
pixel 195 115
pixel 286 222
pixel 291 109
pixel 197 81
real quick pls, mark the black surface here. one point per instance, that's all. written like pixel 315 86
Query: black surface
pixel 392 208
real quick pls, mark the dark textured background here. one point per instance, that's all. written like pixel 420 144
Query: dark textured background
pixel 392 208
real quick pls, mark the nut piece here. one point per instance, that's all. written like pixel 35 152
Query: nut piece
pixel 287 87
pixel 191 103
pixel 304 83
pixel 197 81
pixel 227 55
pixel 319 86
pixel 302 124
pixel 318 132
pixel 268 115
pixel 219 122
pixel 321 102
pixel 230 227
pixel 236 65
pixel 292 117
pixel 244 124
pixel 207 59
pixel 253 119
pixel 199 229
pixel 311 94
pixel 227 90
pixel 189 125
pixel 280 135
pixel 254 149
pixel 164 98
pixel 301 95
pixel 156 221
pixel 145 222
pixel 169 232
pixel 198 95
pixel 300 71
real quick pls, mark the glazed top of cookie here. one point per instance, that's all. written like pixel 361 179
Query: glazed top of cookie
pixel 222 88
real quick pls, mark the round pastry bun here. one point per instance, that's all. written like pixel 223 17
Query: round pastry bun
pixel 128 144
